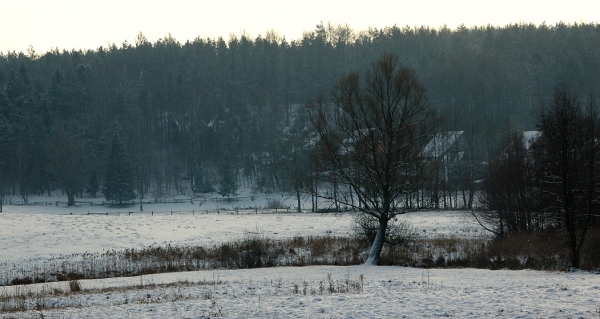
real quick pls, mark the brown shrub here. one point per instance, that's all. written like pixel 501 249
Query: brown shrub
pixel 74 286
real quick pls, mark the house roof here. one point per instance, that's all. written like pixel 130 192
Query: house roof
pixel 529 137
pixel 440 143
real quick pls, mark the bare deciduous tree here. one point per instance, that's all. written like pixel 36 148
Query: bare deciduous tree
pixel 510 191
pixel 372 135
pixel 568 159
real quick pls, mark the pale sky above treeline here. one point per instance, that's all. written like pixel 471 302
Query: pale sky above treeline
pixel 87 25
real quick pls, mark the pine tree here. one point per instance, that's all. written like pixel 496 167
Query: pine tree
pixel 93 185
pixel 227 184
pixel 118 180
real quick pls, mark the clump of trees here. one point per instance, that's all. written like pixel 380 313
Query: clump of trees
pixel 569 164
pixel 551 181
pixel 510 190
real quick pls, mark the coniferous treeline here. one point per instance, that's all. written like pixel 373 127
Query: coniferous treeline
pixel 183 109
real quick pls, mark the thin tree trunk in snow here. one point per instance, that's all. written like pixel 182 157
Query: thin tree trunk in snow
pixel 298 198
pixel 377 246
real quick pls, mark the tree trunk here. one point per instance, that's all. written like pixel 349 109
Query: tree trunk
pixel 575 252
pixel 377 246
pixel 572 237
pixel 70 199
pixel 298 198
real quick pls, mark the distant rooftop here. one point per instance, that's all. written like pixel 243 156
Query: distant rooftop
pixel 441 142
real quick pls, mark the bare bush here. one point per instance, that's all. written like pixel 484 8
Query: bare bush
pixel 398 232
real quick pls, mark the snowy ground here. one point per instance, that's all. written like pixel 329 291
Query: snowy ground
pixel 373 292
pixel 36 233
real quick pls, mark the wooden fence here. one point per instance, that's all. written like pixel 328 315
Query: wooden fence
pixel 210 211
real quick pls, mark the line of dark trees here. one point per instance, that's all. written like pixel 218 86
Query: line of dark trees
pixel 189 114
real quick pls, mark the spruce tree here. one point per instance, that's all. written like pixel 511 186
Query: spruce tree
pixel 118 180
pixel 227 184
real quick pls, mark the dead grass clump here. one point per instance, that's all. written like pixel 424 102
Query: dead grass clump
pixel 590 253
pixel 330 286
pixel 528 251
pixel 69 276
pixel 254 252
pixel 274 204
pixel 74 286
pixel 21 281
pixel 333 250
pixel 517 251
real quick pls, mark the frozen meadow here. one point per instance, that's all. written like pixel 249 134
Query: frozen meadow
pixel 35 234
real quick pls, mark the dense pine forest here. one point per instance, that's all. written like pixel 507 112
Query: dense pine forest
pixel 206 114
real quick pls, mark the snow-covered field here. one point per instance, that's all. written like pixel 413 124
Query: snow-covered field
pixel 373 292
pixel 37 233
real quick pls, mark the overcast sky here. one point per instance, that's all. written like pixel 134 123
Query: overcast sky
pixel 84 24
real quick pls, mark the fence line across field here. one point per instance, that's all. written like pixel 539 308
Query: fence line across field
pixel 199 200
